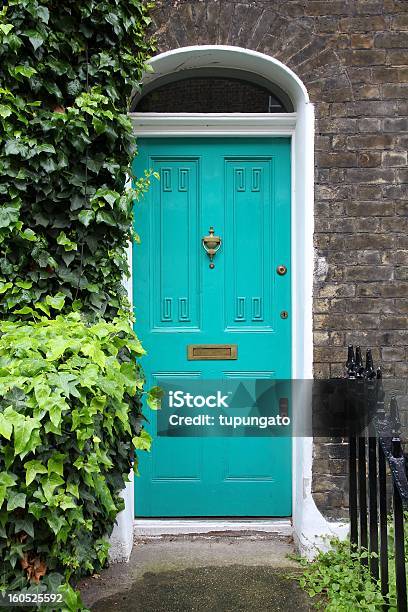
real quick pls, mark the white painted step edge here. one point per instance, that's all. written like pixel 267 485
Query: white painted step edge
pixel 158 527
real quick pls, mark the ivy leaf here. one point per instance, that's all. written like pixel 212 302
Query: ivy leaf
pixel 92 350
pixel 86 216
pixel 22 434
pixel 68 383
pixel 41 219
pixel 36 509
pixel 129 373
pixel 5 111
pixel 143 441
pixel 97 404
pixel 72 599
pixel 64 241
pixel 8 216
pixel 27 71
pixel 28 234
pixel 56 522
pixel 6 427
pixel 6 28
pixel 49 483
pixel 24 284
pixel 49 165
pixel 5 286
pixel 24 310
pixel 35 38
pixel 24 525
pixel 73 488
pixel 33 468
pixel 45 148
pixel 68 258
pixel 42 394
pixel 56 414
pixel 154 397
pixel 57 301
pixel 11 418
pixel 109 196
pixel 135 346
pixel 53 89
pixel 104 217
pixel 56 464
pixel 43 13
pixel 67 503
pixel 15 500
pixel 57 347
pixel 103 493
pixel 43 307
pixel 8 456
pixel 8 480
pixel 94 165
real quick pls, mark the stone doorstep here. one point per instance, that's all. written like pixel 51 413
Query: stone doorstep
pixel 156 528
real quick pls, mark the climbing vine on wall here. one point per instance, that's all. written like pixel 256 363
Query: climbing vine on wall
pixel 70 380
pixel 67 73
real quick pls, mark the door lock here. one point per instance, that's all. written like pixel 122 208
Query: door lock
pixel 284 314
pixel 281 270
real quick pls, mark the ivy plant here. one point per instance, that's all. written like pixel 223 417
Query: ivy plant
pixel 70 383
pixel 70 417
pixel 68 71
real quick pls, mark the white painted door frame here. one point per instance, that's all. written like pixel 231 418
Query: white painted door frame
pixel 310 528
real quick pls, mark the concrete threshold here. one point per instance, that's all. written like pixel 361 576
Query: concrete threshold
pixel 161 527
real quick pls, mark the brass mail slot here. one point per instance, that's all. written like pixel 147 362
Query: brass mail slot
pixel 204 352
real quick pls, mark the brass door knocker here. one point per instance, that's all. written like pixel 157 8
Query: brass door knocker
pixel 211 245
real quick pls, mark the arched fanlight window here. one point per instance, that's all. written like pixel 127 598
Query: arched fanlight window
pixel 212 91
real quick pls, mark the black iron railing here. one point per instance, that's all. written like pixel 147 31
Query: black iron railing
pixel 378 484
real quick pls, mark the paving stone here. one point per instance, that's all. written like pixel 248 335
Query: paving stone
pixel 185 574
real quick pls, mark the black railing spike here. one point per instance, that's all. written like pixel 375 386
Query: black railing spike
pixel 351 362
pixel 359 363
pixel 396 449
pixel 379 374
pixel 369 368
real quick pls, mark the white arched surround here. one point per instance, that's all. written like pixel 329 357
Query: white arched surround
pixel 310 528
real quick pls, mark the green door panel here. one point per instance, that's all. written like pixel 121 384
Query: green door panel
pixel 241 187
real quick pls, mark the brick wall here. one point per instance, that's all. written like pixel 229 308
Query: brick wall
pixel 352 56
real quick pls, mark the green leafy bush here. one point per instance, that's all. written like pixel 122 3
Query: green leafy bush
pixel 339 576
pixel 344 582
pixel 70 386
pixel 67 72
pixel 69 410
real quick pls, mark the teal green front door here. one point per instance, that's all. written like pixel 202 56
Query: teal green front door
pixel 240 187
